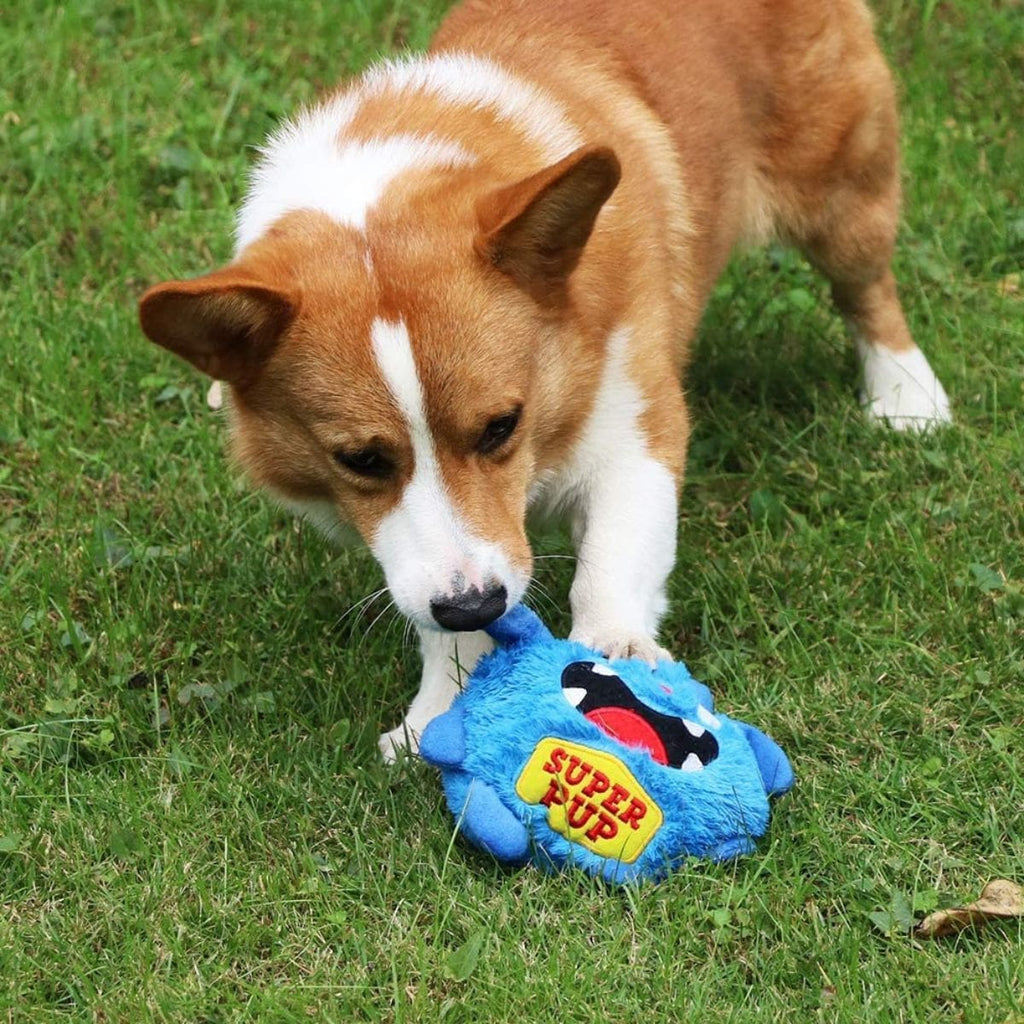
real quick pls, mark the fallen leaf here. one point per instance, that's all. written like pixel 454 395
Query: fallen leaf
pixel 999 899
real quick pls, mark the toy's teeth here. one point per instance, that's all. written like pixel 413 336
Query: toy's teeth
pixel 695 730
pixel 707 718
pixel 692 764
pixel 601 669
pixel 574 695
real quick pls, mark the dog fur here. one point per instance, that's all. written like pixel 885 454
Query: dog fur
pixel 465 286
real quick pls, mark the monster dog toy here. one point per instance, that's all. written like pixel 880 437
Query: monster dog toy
pixel 555 755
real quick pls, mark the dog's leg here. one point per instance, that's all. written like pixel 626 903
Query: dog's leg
pixel 448 658
pixel 837 195
pixel 626 470
pixel 900 387
pixel 625 532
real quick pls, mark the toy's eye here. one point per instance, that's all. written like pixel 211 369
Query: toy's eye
pixel 367 462
pixel 498 431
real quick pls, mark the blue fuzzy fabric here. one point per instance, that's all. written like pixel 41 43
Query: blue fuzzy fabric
pixel 514 708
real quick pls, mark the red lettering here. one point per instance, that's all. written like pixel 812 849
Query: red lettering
pixel 633 813
pixel 598 784
pixel 614 798
pixel 558 755
pixel 555 795
pixel 605 828
pixel 577 771
pixel 573 815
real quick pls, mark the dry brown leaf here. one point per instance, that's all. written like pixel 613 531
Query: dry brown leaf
pixel 999 899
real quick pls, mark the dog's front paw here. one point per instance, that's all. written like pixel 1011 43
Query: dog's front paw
pixel 398 742
pixel 640 647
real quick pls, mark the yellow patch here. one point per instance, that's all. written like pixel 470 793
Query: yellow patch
pixel 592 798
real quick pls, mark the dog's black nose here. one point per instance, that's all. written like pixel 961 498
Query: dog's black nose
pixel 471 609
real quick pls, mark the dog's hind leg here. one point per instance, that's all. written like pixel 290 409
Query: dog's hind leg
pixel 854 249
pixel 852 244
pixel 836 194
pixel 899 385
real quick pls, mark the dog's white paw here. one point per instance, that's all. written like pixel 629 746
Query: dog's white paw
pixel 901 389
pixel 398 742
pixel 215 395
pixel 640 647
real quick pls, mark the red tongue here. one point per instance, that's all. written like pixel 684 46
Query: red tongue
pixel 629 728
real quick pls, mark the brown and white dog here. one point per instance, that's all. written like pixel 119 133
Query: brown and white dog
pixel 465 285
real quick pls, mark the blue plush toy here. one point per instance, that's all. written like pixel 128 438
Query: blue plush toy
pixel 554 754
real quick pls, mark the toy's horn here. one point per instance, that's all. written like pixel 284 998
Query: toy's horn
pixel 519 625
pixel 776 771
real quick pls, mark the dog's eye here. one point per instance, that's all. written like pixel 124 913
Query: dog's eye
pixel 497 432
pixel 367 462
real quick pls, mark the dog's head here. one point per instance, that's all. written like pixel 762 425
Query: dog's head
pixel 395 370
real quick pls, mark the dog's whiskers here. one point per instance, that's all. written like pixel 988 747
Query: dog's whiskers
pixel 542 596
pixel 407 632
pixel 390 606
pixel 362 603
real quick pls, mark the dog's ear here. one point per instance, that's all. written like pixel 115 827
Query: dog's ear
pixel 535 230
pixel 226 323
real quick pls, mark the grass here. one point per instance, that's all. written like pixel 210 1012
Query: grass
pixel 193 823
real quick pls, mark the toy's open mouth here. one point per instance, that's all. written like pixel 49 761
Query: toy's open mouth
pixel 604 699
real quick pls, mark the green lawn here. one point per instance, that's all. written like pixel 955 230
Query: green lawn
pixel 194 826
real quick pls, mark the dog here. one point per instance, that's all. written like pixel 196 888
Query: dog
pixel 465 285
